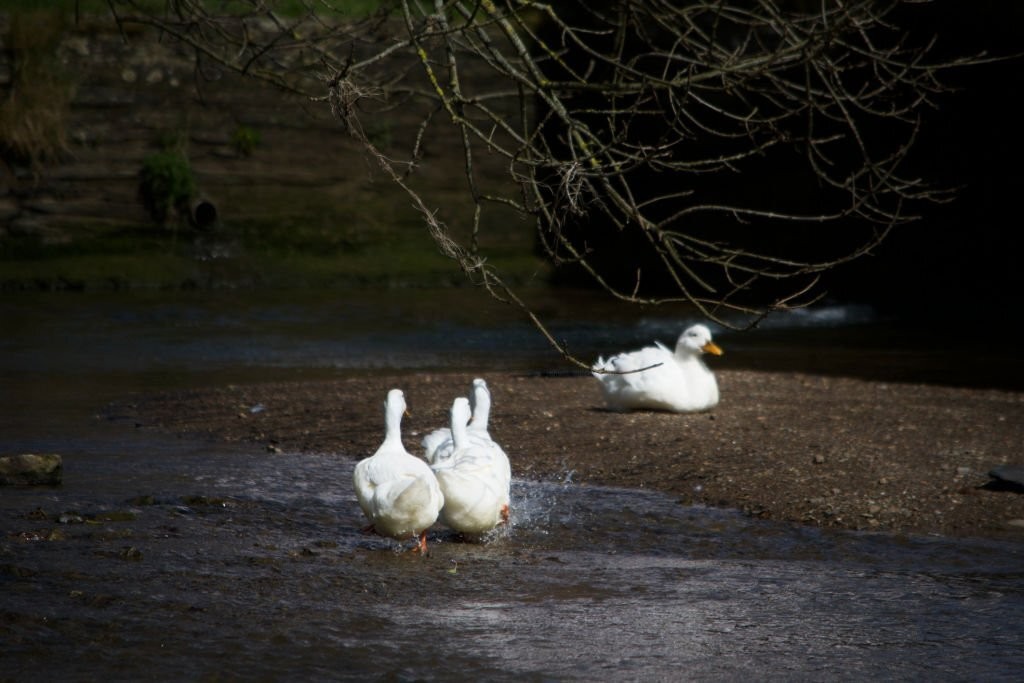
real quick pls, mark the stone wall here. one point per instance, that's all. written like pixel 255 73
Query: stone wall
pixel 131 93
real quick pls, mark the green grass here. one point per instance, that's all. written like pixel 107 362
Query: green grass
pixel 116 257
pixel 104 257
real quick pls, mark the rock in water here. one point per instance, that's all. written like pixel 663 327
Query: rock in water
pixel 1007 478
pixel 31 468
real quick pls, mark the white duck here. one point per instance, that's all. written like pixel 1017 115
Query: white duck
pixel 678 382
pixel 475 479
pixel 438 443
pixel 397 491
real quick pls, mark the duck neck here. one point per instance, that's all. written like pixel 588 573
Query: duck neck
pixel 688 359
pixel 481 410
pixel 393 425
pixel 684 354
pixel 459 432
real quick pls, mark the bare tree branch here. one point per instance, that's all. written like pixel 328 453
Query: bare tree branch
pixel 667 150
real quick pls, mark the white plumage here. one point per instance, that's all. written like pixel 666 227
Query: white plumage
pixel 438 443
pixel 397 491
pixel 475 478
pixel 676 381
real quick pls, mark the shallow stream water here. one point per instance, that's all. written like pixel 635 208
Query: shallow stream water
pixel 162 558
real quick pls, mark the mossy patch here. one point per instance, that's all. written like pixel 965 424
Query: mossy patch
pixel 285 255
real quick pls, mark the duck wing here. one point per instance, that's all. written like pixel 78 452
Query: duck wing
pixel 437 444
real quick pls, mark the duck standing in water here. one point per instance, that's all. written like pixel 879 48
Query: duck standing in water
pixel 397 491
pixel 676 381
pixel 475 478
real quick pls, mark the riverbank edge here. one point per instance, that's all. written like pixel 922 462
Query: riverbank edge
pixel 830 452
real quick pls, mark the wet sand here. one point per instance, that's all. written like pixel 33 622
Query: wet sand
pixel 824 451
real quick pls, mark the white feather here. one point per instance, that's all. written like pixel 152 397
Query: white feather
pixel 475 478
pixel 397 491
pixel 655 378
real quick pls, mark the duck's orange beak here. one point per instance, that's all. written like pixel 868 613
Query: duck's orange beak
pixel 712 348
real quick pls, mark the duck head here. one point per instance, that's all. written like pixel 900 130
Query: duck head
pixel 696 340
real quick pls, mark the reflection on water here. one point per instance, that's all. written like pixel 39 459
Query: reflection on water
pixel 164 339
pixel 168 559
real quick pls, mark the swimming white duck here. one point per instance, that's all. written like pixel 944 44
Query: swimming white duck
pixel 675 381
pixel 397 491
pixel 475 479
pixel 438 443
